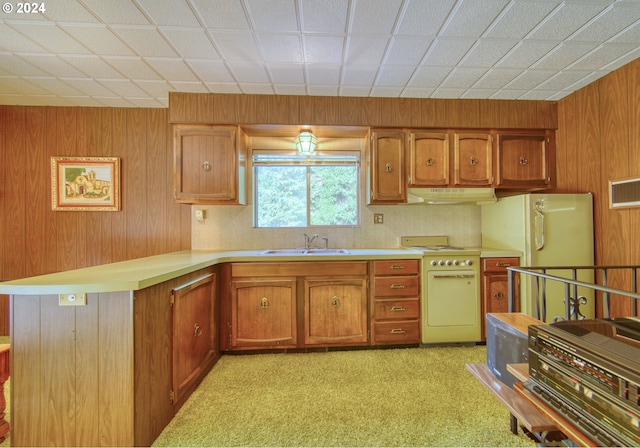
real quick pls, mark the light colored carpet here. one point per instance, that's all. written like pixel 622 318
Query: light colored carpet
pixel 395 397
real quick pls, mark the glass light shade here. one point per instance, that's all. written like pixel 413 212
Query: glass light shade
pixel 306 142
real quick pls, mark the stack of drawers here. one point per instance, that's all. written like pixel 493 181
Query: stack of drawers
pixel 395 316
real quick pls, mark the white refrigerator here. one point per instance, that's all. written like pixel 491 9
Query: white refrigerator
pixel 549 230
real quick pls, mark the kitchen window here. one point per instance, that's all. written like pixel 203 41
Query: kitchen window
pixel 303 191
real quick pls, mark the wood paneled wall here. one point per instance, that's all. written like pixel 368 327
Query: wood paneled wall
pixel 360 111
pixel 35 240
pixel 598 140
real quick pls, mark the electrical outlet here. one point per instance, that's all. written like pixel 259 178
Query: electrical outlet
pixel 200 215
pixel 73 299
pixel 378 218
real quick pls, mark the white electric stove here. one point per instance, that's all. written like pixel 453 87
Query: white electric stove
pixel 450 306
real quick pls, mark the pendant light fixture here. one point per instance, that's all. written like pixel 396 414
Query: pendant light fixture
pixel 306 142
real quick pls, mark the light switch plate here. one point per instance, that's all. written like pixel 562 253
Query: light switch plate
pixel 72 299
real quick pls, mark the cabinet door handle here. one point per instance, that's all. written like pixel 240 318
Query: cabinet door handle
pixel 206 166
pixel 398 308
pixel 523 161
pixel 503 265
pixel 473 161
pixel 264 303
pixel 335 302
pixel 397 286
pixel 430 161
pixel 498 296
pixel 388 168
pixel 397 266
pixel 197 330
pixel 398 331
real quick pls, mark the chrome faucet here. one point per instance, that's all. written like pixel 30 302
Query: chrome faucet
pixel 326 242
pixel 309 239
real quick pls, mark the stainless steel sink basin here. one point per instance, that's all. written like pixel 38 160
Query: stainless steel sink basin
pixel 303 251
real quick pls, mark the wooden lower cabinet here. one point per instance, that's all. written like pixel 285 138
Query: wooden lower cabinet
pixel 263 313
pixel 495 290
pixel 335 311
pixel 102 374
pixel 395 303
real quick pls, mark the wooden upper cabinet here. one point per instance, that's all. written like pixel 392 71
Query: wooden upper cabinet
pixel 386 177
pixel 209 164
pixel 473 159
pixel 523 160
pixel 428 159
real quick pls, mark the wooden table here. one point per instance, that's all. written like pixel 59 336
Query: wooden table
pixel 4 376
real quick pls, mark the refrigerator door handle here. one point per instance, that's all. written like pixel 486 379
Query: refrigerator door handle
pixel 538 209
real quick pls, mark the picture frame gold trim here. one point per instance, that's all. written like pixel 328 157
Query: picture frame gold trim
pixel 85 183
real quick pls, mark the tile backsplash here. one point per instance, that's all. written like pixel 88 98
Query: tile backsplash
pixel 231 228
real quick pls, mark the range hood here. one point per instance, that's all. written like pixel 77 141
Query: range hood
pixel 451 196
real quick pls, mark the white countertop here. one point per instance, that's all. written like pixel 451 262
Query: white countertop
pixel 133 275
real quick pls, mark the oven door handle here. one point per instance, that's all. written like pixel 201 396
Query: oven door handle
pixel 454 276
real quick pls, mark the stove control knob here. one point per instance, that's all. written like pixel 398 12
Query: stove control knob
pixel 448 262
pixel 441 262
pixel 433 263
pixel 469 262
pixel 456 262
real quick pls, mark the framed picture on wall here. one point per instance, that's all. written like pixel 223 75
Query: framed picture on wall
pixel 85 183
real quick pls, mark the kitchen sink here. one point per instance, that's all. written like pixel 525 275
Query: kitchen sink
pixel 303 251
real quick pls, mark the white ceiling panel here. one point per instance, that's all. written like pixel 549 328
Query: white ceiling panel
pixel 132 53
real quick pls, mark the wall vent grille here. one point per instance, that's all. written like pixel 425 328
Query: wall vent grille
pixel 624 193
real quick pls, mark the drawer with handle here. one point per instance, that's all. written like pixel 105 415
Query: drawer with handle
pixel 400 286
pixel 396 309
pixel 396 267
pixel 499 264
pixel 399 332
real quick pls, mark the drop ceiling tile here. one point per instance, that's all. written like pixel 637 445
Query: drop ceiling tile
pixel 323 73
pixel 358 75
pixel 417 92
pixel 9 85
pixel 319 90
pixel 288 74
pixel 273 15
pixel 12 40
pixel 145 102
pixel 236 46
pixel 447 93
pixel 615 19
pixel 221 87
pixel 155 89
pixel 463 77
pixel 82 101
pixel 563 55
pixel 519 18
pixel 429 76
pixel 145 41
pixel 99 39
pixel 124 87
pixel 407 50
pixel 394 75
pixel 113 101
pixel 67 11
pixel 561 81
pixel 296 89
pixel 630 35
pixel 424 17
pixel 476 93
pixel 374 17
pixel 603 56
pixel 529 79
pixel 258 89
pixel 472 17
pixel 173 69
pixel 325 16
pixel 447 52
pixel 354 91
pixel 132 67
pixel 88 86
pixel 281 47
pixel 92 66
pixel 487 52
pixel 117 12
pixel 50 37
pixel 386 91
pixel 55 86
pixel 323 49
pixel 250 73
pixel 565 20
pixel 365 50
pixel 174 12
pixel 50 64
pixel 13 65
pixel 505 94
pixel 210 71
pixel 496 78
pixel 190 42
pixel 537 95
pixel 227 14
pixel 526 53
